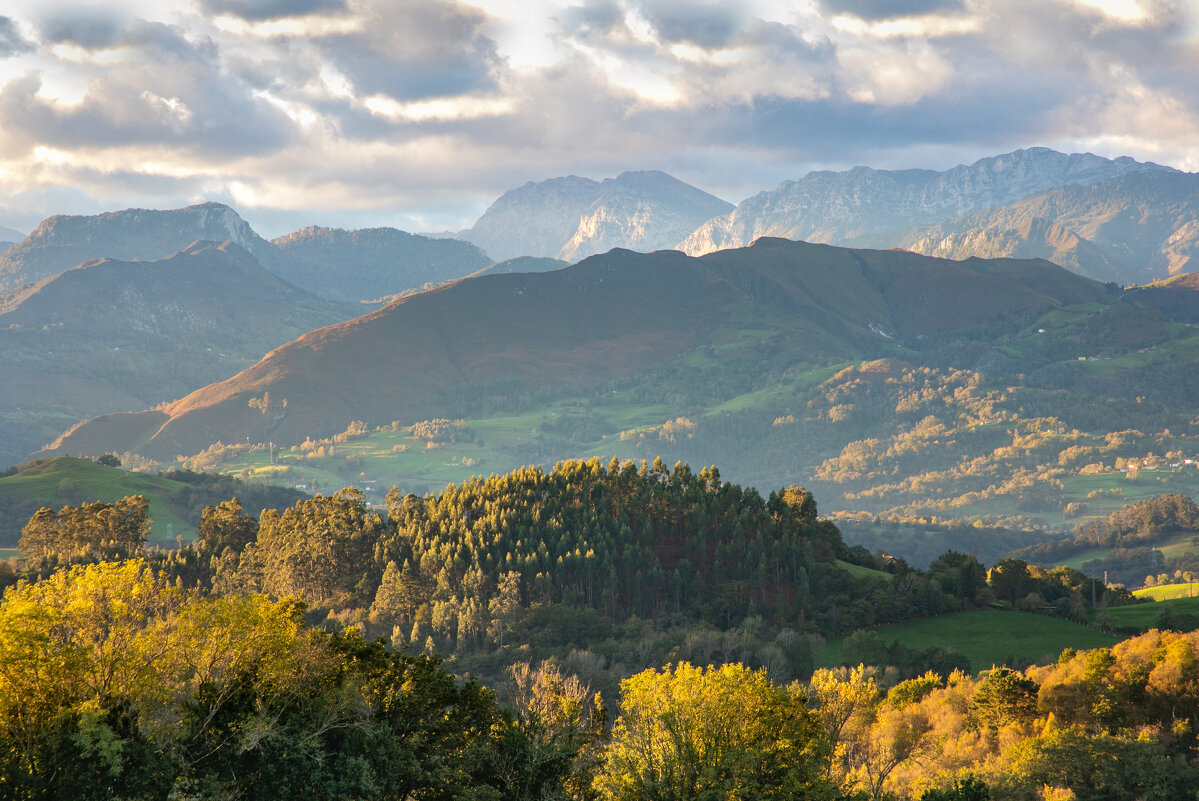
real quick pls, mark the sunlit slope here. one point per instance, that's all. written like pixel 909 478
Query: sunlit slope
pixel 496 341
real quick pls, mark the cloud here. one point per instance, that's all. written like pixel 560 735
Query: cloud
pixel 11 40
pixel 260 10
pixel 397 110
pixel 183 101
pixel 91 32
pixel 889 9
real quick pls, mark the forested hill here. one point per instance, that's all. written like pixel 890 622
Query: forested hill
pixel 497 341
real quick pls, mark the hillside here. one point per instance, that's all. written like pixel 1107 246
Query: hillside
pixel 371 263
pixel 494 342
pixel 571 218
pixel 523 264
pixel 1132 229
pixel 111 335
pixel 869 207
pixel 61 242
pixel 176 498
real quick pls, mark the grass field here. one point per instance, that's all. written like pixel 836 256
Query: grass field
pixel 1169 592
pixel 380 460
pixel 857 571
pixel 986 637
pixel 1145 616
pixel 86 479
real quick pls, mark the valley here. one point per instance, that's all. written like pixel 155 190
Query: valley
pixel 917 465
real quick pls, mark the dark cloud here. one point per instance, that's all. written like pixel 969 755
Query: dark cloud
pixel 172 92
pixel 888 9
pixel 709 25
pixel 415 49
pixel 259 10
pixel 89 31
pixel 599 18
pixel 11 40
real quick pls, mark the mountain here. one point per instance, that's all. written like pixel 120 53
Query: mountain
pixel 1177 298
pixel 1133 229
pixel 62 242
pixel 523 264
pixel 372 263
pixel 8 238
pixel 485 342
pixel 864 206
pixel 177 497
pixel 111 335
pixel 571 218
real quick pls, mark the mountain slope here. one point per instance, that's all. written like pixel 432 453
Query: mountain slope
pixel 864 206
pixel 487 340
pixel 109 335
pixel 1132 229
pixel 571 218
pixel 62 242
pixel 372 263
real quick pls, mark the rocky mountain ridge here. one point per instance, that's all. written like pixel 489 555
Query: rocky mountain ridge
pixel 1132 229
pixel 868 207
pixel 571 218
pixel 62 242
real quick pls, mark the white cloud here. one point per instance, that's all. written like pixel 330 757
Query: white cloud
pixel 400 109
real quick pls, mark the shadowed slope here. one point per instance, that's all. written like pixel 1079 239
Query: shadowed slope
pixel 467 346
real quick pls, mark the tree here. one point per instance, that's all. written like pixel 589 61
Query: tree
pixel 967 789
pixel 320 550
pixel 99 530
pixel 225 526
pixel 1004 697
pixel 728 732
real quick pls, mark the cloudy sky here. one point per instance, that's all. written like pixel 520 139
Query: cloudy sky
pixel 418 113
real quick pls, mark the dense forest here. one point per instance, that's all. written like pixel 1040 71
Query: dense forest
pixel 320 652
pixel 1129 537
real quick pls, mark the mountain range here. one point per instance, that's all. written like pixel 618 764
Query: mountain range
pixel 371 263
pixel 335 264
pixel 111 335
pixel 864 206
pixel 458 348
pixel 571 218
pixel 1119 221
pixel 1132 229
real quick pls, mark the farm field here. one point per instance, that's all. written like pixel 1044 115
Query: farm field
pixel 1168 592
pixel 1145 616
pixel 986 638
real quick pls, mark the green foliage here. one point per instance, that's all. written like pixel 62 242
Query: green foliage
pixel 1004 697
pixel 89 532
pixel 320 550
pixel 690 733
pixel 968 789
pixel 117 684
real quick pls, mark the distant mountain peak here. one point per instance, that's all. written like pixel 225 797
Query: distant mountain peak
pixel 63 241
pixel 864 206
pixel 571 217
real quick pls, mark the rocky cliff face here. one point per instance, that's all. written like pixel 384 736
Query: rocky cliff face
pixel 61 242
pixel 572 218
pixel 865 207
pixel 1135 228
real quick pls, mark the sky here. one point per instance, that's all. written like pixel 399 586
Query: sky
pixel 418 114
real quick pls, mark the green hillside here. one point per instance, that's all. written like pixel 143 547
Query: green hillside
pixel 986 638
pixel 1142 617
pixel 175 503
